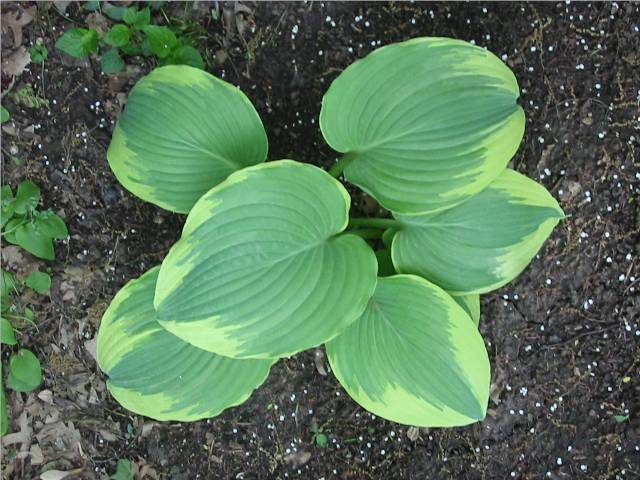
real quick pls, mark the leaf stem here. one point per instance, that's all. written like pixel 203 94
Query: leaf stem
pixel 382 223
pixel 2 234
pixel 366 233
pixel 342 163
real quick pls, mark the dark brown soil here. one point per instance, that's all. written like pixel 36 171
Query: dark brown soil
pixel 564 339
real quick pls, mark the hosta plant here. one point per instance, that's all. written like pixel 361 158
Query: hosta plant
pixel 270 263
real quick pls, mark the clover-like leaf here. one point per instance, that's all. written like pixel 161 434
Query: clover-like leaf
pixel 483 243
pixel 8 283
pixel 414 357
pixel 27 197
pixel 185 55
pixel 32 239
pixel 38 53
pixel 261 270
pixel 137 18
pixel 25 373
pixel 50 224
pixel 424 123
pixel 111 61
pixel 7 335
pixel 162 40
pixel 38 281
pixel 78 42
pixel 182 132
pixel 117 36
pixel 154 373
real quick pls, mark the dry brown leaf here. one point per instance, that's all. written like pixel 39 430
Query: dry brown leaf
pixel 63 437
pixel 118 81
pixel 297 459
pixel 107 435
pixel 228 21
pixel 17 19
pixel 68 292
pixel 98 21
pixel 23 436
pixel 15 63
pixel 75 279
pixel 35 452
pixel 147 471
pixel 147 428
pixel 242 22
pixel 574 188
pixel 58 474
pixel 497 385
pixel 91 346
pixel 10 130
pixel 221 56
pixel 12 257
pixel 62 5
pixel 318 359
pixel 93 397
pixel 46 396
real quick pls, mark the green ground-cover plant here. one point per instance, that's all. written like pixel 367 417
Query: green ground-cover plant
pixel 270 263
pixel 34 230
pixel 136 35
pixel 26 226
pixel 38 53
pixel 124 470
pixel 27 96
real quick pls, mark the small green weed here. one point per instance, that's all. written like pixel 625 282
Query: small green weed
pixel 135 36
pixel 34 230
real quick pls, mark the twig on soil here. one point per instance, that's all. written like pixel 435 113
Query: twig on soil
pixel 13 81
pixel 572 339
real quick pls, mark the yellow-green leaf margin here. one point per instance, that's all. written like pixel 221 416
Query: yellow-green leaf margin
pixel 481 244
pixel 414 357
pixel 154 373
pixel 182 132
pixel 424 124
pixel 263 269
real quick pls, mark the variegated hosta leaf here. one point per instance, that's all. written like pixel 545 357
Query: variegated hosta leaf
pixel 154 373
pixel 425 123
pixel 470 304
pixel 483 243
pixel 182 132
pixel 261 270
pixel 414 357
